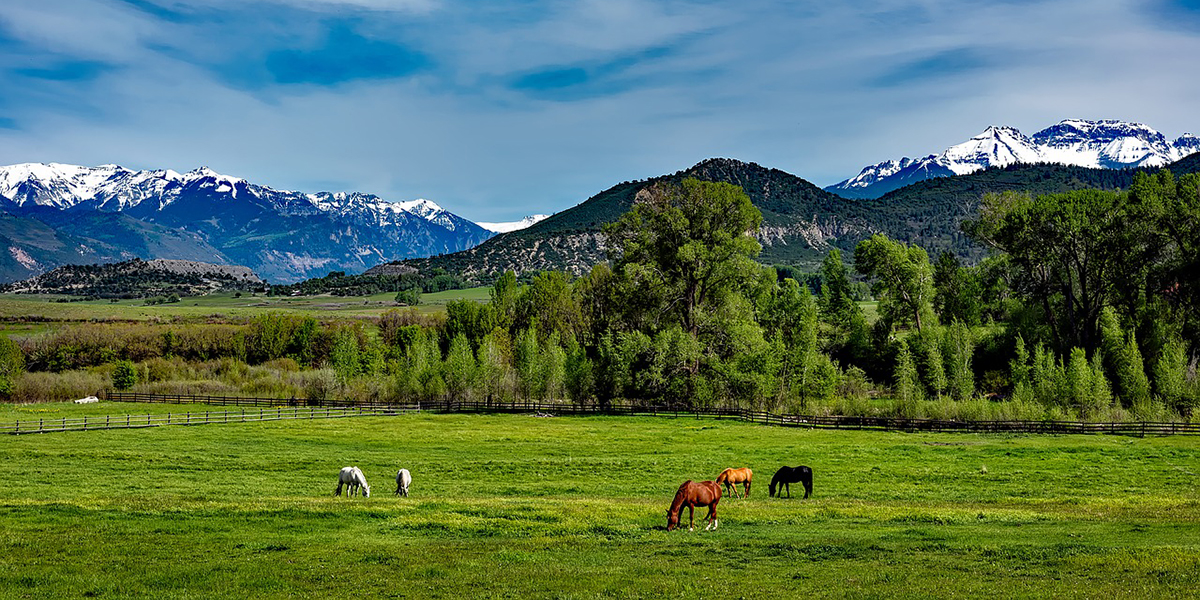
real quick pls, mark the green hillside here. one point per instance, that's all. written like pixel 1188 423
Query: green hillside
pixel 801 222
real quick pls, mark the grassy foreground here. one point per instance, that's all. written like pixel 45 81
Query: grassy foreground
pixel 574 508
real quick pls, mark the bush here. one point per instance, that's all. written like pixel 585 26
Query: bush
pixel 124 376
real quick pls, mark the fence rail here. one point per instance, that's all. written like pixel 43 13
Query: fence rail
pixel 103 422
pixel 1136 428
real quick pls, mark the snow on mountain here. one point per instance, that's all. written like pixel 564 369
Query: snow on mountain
pixel 512 225
pixel 285 235
pixel 996 146
pixel 114 188
pixel 1106 144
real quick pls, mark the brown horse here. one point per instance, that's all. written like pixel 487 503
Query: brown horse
pixel 732 477
pixel 692 494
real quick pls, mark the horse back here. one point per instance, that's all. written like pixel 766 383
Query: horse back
pixel 708 493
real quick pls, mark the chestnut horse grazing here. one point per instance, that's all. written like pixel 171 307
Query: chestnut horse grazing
pixel 788 475
pixel 732 477
pixel 692 494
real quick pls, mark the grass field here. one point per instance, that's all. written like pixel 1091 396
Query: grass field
pixel 17 306
pixel 517 506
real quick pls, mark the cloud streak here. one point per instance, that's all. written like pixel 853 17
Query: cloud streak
pixel 496 110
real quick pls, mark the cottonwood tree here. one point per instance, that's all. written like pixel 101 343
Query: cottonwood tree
pixel 687 247
pixel 903 279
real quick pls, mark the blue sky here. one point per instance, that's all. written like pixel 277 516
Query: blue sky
pixel 500 109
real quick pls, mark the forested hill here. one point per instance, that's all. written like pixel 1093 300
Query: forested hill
pixel 140 279
pixel 800 223
pixel 929 213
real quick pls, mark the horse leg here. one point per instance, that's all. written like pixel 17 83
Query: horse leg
pixel 338 491
pixel 747 489
pixel 691 518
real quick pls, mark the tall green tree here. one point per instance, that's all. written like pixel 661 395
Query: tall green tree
pixel 687 247
pixel 957 291
pixel 1072 253
pixel 459 368
pixel 903 279
pixel 837 301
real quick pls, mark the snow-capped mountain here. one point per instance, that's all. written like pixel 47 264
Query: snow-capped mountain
pixel 283 235
pixel 512 225
pixel 1105 144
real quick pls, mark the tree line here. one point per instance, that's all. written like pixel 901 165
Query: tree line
pixel 1086 307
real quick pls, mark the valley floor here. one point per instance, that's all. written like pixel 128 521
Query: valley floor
pixel 574 507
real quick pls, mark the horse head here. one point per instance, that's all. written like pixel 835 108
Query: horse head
pixel 771 489
pixel 672 520
pixel 366 491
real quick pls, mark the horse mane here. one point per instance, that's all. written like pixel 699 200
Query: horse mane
pixel 680 496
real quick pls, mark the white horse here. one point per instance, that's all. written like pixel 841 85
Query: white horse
pixel 353 478
pixel 403 480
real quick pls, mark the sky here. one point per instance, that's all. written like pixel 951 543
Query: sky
pixel 500 109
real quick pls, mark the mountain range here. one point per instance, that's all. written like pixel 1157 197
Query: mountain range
pixel 55 214
pixel 1102 144
pixel 801 222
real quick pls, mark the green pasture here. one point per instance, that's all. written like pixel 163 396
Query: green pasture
pixel 21 306
pixel 519 506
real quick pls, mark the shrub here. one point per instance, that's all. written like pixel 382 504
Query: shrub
pixel 124 376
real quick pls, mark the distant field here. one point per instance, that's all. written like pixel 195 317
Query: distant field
pixel 14 306
pixel 516 506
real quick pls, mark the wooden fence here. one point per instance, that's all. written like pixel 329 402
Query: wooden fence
pixel 102 422
pixel 1136 428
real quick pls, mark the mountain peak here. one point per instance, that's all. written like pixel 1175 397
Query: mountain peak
pixel 1102 143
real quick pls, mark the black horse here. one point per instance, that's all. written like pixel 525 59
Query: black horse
pixel 788 475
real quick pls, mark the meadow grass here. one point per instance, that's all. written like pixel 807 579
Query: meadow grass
pixel 18 306
pixel 574 508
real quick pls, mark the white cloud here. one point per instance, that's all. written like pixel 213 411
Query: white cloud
pixel 783 86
